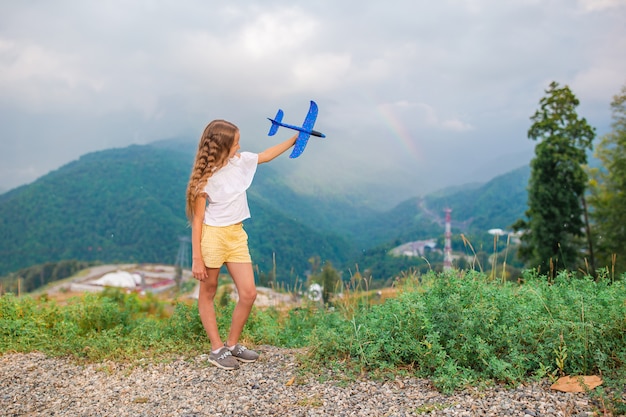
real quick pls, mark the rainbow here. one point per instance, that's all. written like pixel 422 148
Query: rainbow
pixel 399 130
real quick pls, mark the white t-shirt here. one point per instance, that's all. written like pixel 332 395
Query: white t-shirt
pixel 226 190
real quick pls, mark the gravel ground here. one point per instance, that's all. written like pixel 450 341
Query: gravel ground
pixel 35 385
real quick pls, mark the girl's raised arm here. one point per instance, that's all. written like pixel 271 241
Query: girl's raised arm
pixel 271 153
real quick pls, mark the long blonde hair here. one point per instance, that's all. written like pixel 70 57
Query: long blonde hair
pixel 213 150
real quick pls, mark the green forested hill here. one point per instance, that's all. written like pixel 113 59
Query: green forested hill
pixel 475 210
pixel 127 205
pixel 114 205
pixel 496 204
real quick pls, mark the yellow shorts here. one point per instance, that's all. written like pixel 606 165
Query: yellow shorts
pixel 221 244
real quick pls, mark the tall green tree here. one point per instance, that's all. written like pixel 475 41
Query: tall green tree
pixel 554 226
pixel 608 191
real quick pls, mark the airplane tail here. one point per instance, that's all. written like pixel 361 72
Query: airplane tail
pixel 275 123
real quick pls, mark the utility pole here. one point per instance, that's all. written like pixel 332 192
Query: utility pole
pixel 182 258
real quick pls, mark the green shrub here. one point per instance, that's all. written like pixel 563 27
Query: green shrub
pixel 466 327
pixel 455 328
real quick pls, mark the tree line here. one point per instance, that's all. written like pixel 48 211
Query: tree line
pixel 29 279
pixel 575 219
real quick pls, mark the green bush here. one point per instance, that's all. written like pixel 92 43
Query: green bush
pixel 456 329
pixel 467 328
pixel 290 329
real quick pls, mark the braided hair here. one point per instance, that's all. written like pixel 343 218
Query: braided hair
pixel 213 151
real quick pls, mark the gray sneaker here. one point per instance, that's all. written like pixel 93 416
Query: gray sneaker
pixel 244 354
pixel 224 359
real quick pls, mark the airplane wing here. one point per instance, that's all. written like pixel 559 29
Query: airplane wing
pixel 309 121
pixel 307 126
pixel 298 148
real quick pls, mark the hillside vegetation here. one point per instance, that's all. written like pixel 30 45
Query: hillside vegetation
pixel 127 206
pixel 457 329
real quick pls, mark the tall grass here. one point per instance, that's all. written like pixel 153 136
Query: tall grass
pixel 456 328
pixel 463 329
pixel 502 331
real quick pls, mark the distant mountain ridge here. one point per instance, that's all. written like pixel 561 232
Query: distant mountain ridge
pixel 127 205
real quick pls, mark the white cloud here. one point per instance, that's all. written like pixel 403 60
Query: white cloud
pixel 276 34
pixel 600 5
pixel 428 73
pixel 36 77
pixel 456 125
pixel 319 72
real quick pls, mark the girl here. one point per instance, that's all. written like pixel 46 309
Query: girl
pixel 216 206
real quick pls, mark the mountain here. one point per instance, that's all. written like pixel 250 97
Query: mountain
pixel 496 204
pixel 114 205
pixel 474 210
pixel 127 205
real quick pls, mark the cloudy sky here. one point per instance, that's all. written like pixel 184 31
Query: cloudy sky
pixel 414 95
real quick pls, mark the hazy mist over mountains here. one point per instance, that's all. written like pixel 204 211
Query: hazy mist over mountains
pixel 127 205
pixel 377 189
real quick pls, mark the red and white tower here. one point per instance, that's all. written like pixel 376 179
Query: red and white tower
pixel 447 250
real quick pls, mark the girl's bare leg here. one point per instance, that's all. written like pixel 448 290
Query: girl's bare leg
pixel 243 276
pixel 206 307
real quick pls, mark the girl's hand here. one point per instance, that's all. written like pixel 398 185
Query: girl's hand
pixel 198 269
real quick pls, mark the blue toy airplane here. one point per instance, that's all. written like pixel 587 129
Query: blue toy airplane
pixel 305 131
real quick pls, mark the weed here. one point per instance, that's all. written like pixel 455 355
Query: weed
pixel 429 408
pixel 311 401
